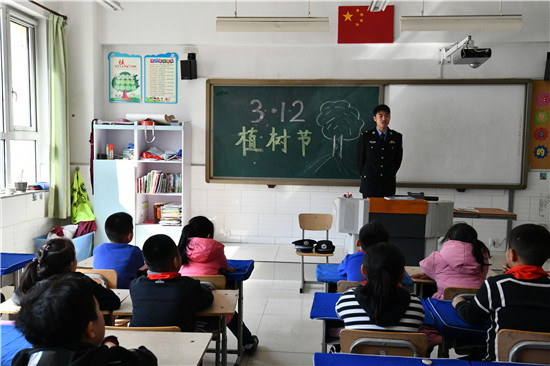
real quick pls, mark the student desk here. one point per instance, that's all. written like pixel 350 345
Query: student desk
pixel 420 282
pixel 488 213
pixel 348 359
pixel 223 306
pixel 12 262
pixel 170 348
pixel 243 270
pixel 324 308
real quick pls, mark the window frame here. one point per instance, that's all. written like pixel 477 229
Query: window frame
pixel 8 131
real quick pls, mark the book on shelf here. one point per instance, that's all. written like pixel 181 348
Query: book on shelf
pixel 170 214
pixel 158 182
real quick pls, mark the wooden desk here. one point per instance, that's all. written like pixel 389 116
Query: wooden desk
pixel 223 306
pixel 171 348
pixel 489 213
pixel 9 307
pixel 485 213
pixel 86 263
pixel 420 282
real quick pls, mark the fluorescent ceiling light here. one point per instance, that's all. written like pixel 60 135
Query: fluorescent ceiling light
pixel 461 23
pixel 272 24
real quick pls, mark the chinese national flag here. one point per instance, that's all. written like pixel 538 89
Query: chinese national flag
pixel 358 25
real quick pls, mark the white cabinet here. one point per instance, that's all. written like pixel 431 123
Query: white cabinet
pixel 116 182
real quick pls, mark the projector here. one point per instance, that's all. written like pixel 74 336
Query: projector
pixel 472 56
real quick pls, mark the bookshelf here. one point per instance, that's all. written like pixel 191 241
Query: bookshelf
pixel 135 185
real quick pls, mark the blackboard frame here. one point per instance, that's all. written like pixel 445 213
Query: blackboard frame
pixel 272 181
pixel 382 84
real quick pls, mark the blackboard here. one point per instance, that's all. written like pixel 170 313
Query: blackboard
pixel 461 133
pixel 285 131
pixel 456 133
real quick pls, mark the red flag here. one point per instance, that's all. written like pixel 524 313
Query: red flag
pixel 358 25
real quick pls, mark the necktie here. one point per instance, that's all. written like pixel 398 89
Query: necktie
pixel 382 137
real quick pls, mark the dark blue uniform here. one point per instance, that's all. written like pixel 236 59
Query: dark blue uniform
pixel 378 162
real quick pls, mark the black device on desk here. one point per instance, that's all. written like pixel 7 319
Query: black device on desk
pixel 420 195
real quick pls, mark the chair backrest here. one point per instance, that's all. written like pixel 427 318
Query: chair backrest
pixel 171 328
pixel 343 285
pixel 107 276
pixel 383 343
pixel 522 346
pixel 315 222
pixel 215 281
pixel 450 292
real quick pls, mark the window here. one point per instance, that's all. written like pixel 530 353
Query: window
pixel 18 130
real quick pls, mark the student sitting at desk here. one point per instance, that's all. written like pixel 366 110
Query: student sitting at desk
pixel 371 233
pixel 381 304
pixel 201 255
pixel 518 299
pixel 463 260
pixel 60 317
pixel 58 256
pixel 164 297
pixel 118 255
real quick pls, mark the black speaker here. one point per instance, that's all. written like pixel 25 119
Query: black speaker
pixel 189 67
pixel 547 69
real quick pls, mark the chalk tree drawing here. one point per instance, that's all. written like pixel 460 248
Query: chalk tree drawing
pixel 339 122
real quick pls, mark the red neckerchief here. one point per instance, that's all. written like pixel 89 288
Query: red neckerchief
pixel 527 272
pixel 163 275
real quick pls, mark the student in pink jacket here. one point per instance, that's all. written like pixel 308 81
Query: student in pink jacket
pixel 201 255
pixel 461 262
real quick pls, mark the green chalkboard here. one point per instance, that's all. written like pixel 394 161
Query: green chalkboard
pixel 287 131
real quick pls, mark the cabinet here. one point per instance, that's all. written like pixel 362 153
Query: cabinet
pixel 116 186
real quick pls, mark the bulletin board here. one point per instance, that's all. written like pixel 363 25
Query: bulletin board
pixel 539 142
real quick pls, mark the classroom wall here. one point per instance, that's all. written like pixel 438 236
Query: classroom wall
pixel 256 213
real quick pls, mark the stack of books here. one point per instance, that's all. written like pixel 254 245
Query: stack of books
pixel 158 182
pixel 170 215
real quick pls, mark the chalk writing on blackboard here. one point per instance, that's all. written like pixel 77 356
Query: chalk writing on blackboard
pixel 339 122
pixel 290 132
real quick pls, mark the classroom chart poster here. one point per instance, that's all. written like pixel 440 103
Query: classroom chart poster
pixel 161 78
pixel 539 142
pixel 124 78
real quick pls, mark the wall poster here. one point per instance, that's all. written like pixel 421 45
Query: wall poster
pixel 161 78
pixel 124 78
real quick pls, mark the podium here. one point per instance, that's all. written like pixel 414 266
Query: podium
pixel 414 225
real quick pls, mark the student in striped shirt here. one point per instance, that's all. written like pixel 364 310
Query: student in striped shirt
pixel 518 299
pixel 381 304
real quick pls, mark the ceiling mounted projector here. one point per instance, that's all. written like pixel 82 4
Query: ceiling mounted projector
pixel 465 53
pixel 472 56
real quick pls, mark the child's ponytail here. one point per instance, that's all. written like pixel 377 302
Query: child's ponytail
pixel 54 257
pixel 384 265
pixel 198 227
pixel 481 253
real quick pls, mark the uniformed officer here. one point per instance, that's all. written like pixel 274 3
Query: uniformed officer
pixel 379 156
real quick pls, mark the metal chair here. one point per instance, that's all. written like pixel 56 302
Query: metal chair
pixel 313 222
pixel 383 343
pixel 522 346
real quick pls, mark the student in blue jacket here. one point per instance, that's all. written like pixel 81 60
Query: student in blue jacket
pixel 371 233
pixel 124 258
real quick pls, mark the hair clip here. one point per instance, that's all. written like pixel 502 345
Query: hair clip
pixel 46 246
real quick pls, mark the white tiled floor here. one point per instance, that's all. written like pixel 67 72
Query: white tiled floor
pixel 278 314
